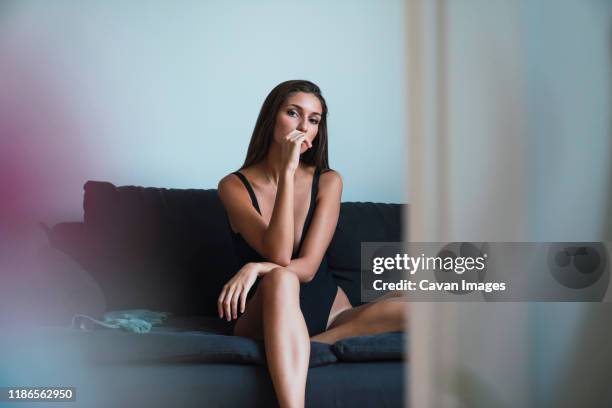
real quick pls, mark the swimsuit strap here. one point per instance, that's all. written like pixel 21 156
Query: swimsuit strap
pixel 249 189
pixel 313 197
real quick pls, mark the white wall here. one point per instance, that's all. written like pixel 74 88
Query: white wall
pixel 163 93
pixel 568 50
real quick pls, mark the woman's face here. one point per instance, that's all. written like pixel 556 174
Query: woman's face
pixel 301 111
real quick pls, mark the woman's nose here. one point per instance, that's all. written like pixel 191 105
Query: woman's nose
pixel 302 126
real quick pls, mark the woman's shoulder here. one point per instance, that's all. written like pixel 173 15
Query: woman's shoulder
pixel 233 176
pixel 330 174
pixel 330 178
pixel 231 184
pixel 228 180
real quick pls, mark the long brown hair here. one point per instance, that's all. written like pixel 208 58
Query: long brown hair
pixel 264 127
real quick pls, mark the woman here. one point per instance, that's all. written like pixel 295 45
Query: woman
pixel 283 206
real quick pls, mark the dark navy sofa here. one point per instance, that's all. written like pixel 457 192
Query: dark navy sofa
pixel 170 250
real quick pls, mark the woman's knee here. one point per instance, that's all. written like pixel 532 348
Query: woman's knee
pixel 279 280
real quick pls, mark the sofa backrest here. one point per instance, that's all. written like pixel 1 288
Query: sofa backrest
pixel 171 249
pixel 360 222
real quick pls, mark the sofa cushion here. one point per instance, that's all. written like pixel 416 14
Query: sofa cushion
pixel 378 347
pixel 361 222
pixel 321 354
pixel 111 346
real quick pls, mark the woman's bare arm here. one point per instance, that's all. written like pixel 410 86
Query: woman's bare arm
pixel 320 233
pixel 273 241
pixel 305 266
pixel 278 238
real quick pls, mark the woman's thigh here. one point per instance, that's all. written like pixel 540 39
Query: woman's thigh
pixel 250 323
pixel 341 304
pixel 351 313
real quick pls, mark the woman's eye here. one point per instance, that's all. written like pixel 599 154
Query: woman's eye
pixel 291 112
pixel 314 121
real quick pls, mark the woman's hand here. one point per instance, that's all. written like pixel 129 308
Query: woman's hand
pixel 236 290
pixel 291 146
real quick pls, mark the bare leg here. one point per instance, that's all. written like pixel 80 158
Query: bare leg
pixel 379 317
pixel 285 336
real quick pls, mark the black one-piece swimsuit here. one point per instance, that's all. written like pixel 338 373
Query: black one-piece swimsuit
pixel 316 296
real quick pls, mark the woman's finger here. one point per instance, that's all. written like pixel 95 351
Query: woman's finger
pixel 298 141
pixel 245 291
pixel 227 303
pixel 220 301
pixel 243 296
pixel 235 298
pixel 297 136
pixel 292 134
